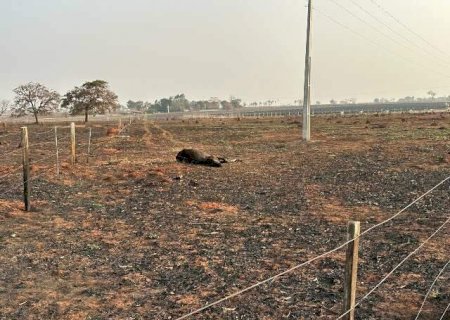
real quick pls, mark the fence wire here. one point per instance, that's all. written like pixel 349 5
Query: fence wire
pixel 445 312
pixel 317 258
pixel 394 269
pixel 431 288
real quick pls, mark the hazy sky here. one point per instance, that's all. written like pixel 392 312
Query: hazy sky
pixel 253 49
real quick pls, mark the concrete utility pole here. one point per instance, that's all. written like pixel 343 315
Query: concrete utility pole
pixel 307 87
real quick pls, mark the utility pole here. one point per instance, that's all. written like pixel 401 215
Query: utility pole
pixel 307 87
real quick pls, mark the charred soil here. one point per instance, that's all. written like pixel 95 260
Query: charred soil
pixel 135 235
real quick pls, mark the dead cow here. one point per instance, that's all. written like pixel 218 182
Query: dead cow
pixel 197 157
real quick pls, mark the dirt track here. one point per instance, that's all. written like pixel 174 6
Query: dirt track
pixel 135 235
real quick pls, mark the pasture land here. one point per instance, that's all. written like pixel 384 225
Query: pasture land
pixel 136 235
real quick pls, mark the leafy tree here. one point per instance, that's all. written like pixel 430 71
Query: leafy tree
pixel 159 106
pixel 4 106
pixel 200 105
pixel 226 105
pixel 136 105
pixel 34 98
pixel 407 99
pixel 212 105
pixel 165 105
pixel 179 103
pixel 236 102
pixel 205 105
pixel 93 97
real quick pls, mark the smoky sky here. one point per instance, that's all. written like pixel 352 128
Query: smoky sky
pixel 252 49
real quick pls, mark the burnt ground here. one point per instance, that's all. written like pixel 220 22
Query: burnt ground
pixel 135 235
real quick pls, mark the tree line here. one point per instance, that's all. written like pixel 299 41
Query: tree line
pixel 92 97
pixel 95 97
pixel 179 103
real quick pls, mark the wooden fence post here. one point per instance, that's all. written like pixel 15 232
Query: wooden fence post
pixel 72 143
pixel 26 169
pixel 351 270
pixel 57 151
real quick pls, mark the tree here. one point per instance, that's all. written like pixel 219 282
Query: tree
pixel 4 106
pixel 226 105
pixel 135 105
pixel 179 103
pixel 236 102
pixel 432 94
pixel 92 97
pixel 36 99
pixel 406 99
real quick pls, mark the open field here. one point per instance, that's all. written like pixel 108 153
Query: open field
pixel 136 235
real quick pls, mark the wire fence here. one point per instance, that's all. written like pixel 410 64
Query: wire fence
pixel 323 255
pixel 445 312
pixel 431 288
pixel 9 134
pixel 394 269
pixel 56 143
pixel 9 153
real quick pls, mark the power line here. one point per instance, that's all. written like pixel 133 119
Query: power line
pixel 394 269
pixel 426 51
pixel 379 30
pixel 431 287
pixel 385 11
pixel 376 44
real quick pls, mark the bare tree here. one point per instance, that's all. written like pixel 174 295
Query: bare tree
pixel 34 98
pixel 91 98
pixel 4 106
